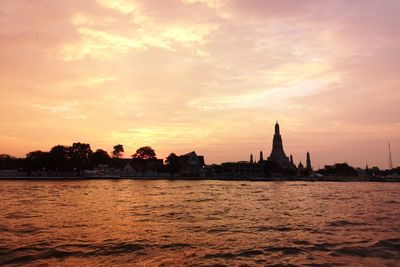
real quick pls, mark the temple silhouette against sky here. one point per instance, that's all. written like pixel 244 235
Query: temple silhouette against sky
pixel 78 160
pixel 278 154
pixel 276 163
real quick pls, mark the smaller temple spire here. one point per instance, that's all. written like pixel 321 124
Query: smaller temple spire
pixel 308 166
pixel 300 167
pixel 291 159
pixel 261 156
pixel 251 158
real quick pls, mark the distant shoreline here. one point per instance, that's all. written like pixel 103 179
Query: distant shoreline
pixel 254 179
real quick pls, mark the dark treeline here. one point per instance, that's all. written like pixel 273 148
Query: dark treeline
pixel 80 156
pixel 344 169
pixel 77 157
pixel 339 169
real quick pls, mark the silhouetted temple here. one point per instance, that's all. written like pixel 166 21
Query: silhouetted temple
pixel 278 154
pixel 276 164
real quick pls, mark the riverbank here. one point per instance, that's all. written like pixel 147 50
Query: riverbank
pixel 264 179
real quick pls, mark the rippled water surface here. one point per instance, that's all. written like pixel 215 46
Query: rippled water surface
pixel 199 223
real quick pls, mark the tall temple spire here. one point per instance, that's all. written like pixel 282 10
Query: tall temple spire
pixel 277 130
pixel 278 154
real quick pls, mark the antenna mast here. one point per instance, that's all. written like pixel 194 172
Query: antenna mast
pixel 390 159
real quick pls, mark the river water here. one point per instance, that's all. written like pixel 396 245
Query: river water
pixel 198 223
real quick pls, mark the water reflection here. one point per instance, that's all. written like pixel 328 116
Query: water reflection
pixel 119 222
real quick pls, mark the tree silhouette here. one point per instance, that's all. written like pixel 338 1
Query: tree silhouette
pixel 59 157
pixel 173 163
pixel 9 162
pixel 37 160
pixel 80 154
pixel 117 152
pixel 100 157
pixel 145 152
pixel 5 157
pixel 340 169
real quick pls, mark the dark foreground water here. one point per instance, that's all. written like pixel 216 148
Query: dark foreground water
pixel 199 223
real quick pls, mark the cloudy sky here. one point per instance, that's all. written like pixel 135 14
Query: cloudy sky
pixel 204 75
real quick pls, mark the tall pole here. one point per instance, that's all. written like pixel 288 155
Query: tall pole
pixel 390 159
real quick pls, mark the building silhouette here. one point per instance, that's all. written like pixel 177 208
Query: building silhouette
pixel 191 164
pixel 277 163
pixel 278 154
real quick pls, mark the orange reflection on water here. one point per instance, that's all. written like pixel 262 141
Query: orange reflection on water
pixel 154 222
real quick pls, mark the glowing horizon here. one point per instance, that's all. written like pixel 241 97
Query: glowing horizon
pixel 204 75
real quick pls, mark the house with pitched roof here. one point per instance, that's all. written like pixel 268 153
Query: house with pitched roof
pixel 192 164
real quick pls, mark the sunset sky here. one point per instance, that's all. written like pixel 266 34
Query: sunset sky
pixel 204 75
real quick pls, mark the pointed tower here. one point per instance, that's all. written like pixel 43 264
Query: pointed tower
pixel 251 158
pixel 390 159
pixel 261 156
pixel 308 166
pixel 300 167
pixel 278 154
